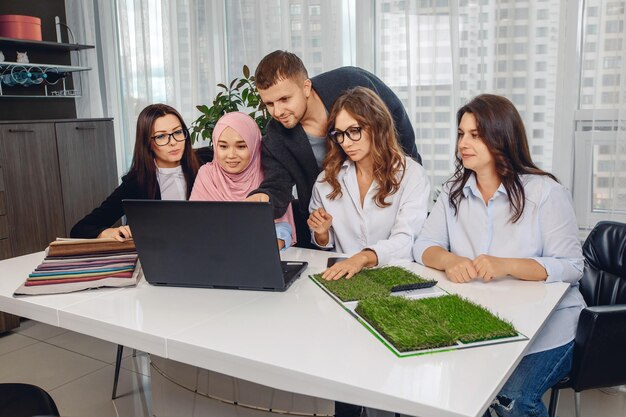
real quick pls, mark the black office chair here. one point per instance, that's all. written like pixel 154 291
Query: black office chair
pixel 25 400
pixel 600 345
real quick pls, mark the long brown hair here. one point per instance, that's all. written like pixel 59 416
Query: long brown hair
pixel 143 168
pixel 501 128
pixel 387 157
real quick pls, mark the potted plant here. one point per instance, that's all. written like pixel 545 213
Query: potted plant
pixel 239 95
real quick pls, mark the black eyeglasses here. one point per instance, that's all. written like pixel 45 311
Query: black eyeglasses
pixel 163 139
pixel 338 136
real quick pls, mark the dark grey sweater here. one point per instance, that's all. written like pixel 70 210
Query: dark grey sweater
pixel 287 157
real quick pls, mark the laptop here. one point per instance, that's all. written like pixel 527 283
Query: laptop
pixel 209 244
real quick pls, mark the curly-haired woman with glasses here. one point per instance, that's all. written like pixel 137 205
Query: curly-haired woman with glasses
pixel 164 167
pixel 371 199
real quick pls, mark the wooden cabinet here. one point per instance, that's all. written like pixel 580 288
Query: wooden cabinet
pixel 87 166
pixel 52 173
pixel 32 187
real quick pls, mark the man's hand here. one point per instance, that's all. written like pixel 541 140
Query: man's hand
pixel 258 197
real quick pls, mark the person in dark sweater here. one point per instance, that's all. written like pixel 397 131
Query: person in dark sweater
pixel 294 146
pixel 164 167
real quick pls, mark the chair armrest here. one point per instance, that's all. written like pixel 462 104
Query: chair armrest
pixel 600 348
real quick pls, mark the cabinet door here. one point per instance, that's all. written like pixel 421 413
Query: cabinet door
pixel 87 166
pixel 32 190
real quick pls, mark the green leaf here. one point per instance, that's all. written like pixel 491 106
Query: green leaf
pixel 233 83
pixel 222 86
pixel 203 108
pixel 240 84
pixel 246 71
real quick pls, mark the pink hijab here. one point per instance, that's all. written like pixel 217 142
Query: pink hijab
pixel 214 184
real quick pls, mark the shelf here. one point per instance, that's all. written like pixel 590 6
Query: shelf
pixel 43 44
pixel 36 96
pixel 64 68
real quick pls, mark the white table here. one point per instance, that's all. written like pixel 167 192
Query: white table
pixel 300 340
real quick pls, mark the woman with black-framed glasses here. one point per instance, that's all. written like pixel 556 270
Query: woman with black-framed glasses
pixel 164 167
pixel 371 199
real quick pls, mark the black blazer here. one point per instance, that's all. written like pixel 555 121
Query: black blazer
pixel 287 156
pixel 111 210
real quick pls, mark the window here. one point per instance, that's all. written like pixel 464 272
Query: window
pixel 442 101
pixel 519 65
pixel 612 62
pixel 520 31
pixel 539 117
pixel 521 13
pixel 540 83
pixel 610 97
pixel 614 44
pixel 609 80
pixel 442 117
pixel 425 117
pixel 442 165
pixel 614 26
pixel 314 10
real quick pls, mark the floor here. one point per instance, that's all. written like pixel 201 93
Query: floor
pixel 77 371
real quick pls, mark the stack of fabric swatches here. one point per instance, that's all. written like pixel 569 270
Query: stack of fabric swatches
pixel 79 264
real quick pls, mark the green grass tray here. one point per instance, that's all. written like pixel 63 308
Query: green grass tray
pixel 416 323
pixel 371 282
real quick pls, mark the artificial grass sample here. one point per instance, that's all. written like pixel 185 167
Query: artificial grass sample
pixel 429 323
pixel 375 282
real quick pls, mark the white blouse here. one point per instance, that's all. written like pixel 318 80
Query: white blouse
pixel 172 183
pixel 389 231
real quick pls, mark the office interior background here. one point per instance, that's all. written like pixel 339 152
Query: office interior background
pixel 562 63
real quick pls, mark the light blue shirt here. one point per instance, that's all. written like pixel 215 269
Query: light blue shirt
pixel 547 232
pixel 388 231
pixel 283 232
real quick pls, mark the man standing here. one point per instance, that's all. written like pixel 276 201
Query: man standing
pixel 295 143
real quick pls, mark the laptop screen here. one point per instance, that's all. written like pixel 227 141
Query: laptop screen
pixel 206 243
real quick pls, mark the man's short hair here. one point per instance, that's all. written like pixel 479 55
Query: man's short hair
pixel 276 66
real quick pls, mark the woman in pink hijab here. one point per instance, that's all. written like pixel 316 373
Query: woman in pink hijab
pixel 236 169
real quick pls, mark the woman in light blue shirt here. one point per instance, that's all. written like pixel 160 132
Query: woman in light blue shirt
pixel 501 215
pixel 371 199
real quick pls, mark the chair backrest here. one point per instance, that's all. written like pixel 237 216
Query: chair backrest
pixel 604 279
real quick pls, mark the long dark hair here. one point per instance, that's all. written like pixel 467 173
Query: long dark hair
pixel 143 168
pixel 374 118
pixel 501 128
